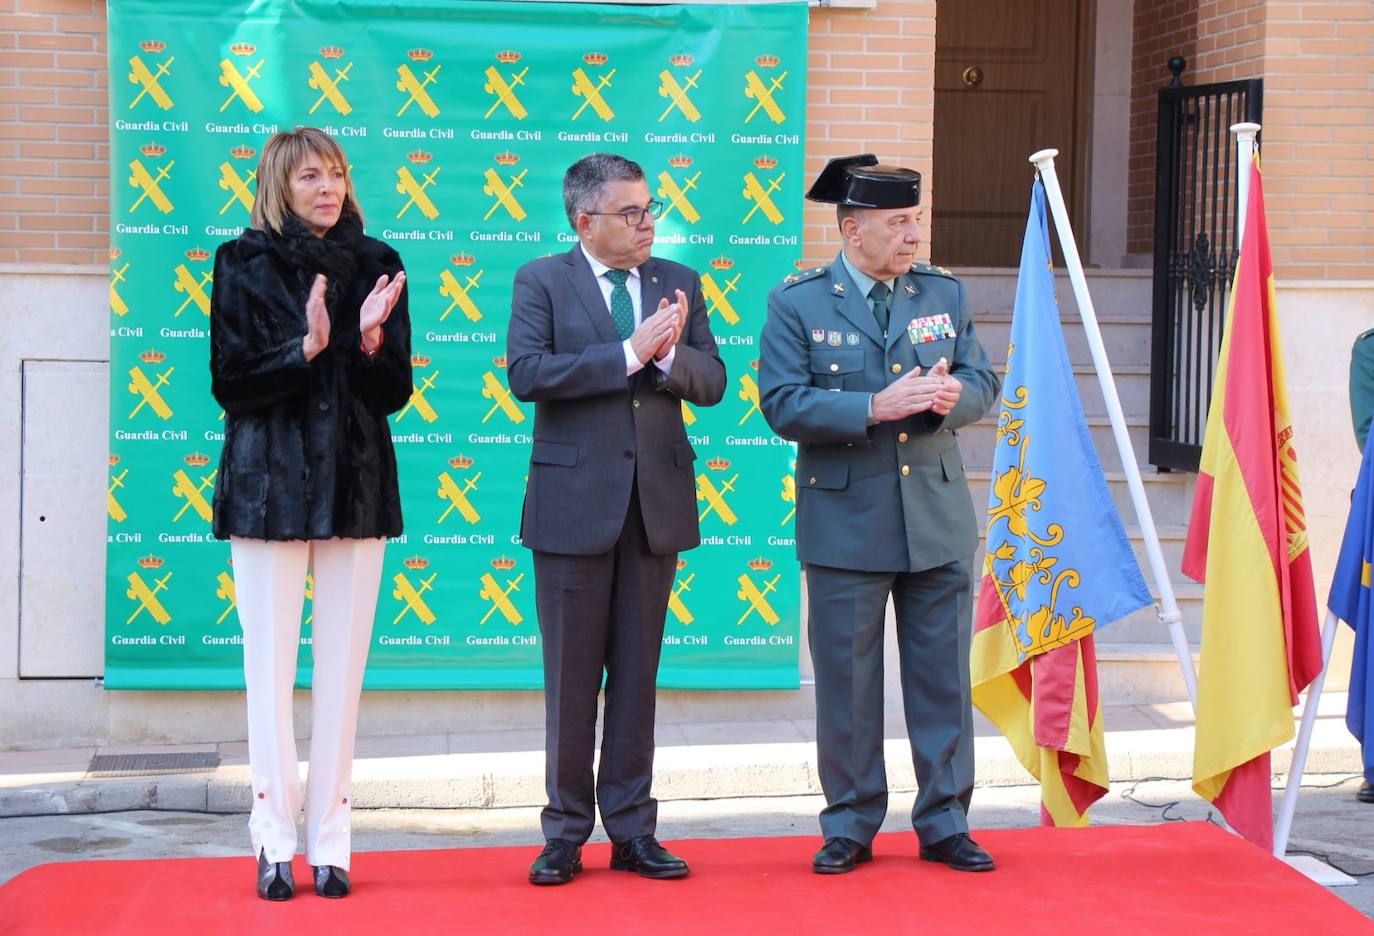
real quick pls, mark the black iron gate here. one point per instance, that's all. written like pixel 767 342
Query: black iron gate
pixel 1195 252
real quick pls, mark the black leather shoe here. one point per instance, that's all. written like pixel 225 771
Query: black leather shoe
pixel 331 881
pixel 840 856
pixel 649 859
pixel 959 852
pixel 1365 794
pixel 557 863
pixel 274 879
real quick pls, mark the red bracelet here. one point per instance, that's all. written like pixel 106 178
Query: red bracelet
pixel 381 338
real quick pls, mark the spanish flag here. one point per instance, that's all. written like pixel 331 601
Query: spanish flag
pixel 1057 565
pixel 1247 542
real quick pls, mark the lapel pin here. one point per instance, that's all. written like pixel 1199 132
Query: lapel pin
pixel 839 288
pixel 910 290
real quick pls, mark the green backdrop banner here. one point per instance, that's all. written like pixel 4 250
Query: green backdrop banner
pixel 459 119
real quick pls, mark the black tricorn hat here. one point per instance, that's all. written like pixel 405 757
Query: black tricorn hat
pixel 860 181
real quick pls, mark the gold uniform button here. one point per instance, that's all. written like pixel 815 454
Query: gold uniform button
pixel 813 480
pixel 906 470
pixel 901 437
pixel 834 367
pixel 896 368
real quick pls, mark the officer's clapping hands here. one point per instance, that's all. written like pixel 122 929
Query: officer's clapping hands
pixel 915 392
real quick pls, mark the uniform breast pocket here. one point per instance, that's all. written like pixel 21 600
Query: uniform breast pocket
pixel 837 368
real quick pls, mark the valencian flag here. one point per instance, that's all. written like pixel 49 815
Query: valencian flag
pixel 1247 542
pixel 1350 601
pixel 1057 562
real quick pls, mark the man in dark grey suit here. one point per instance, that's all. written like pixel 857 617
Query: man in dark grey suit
pixel 607 342
pixel 870 364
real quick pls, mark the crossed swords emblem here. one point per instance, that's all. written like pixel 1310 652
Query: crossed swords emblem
pixel 139 75
pixel 591 94
pixel 505 92
pixel 457 498
pixel 677 95
pixel 237 187
pixel 412 596
pixel 195 291
pixel 238 84
pixel 415 192
pixel 676 195
pixel 757 598
pixel 756 193
pixel 329 88
pixel 146 390
pixel 494 390
pixel 192 493
pixel 225 592
pixel 115 509
pixel 414 87
pixel 504 193
pixel 715 295
pixel 789 496
pixel 715 498
pixel 675 603
pixel 458 294
pixel 117 304
pixel 754 89
pixel 749 393
pixel 147 598
pixel 418 402
pixel 140 178
pixel 500 598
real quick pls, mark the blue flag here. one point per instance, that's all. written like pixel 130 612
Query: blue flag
pixel 1350 601
pixel 1057 554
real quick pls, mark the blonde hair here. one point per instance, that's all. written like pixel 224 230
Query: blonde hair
pixel 281 155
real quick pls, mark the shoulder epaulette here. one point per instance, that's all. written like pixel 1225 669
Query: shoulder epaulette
pixel 1365 334
pixel 803 276
pixel 930 270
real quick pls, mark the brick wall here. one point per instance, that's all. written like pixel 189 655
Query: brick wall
pixel 54 144
pixel 1318 136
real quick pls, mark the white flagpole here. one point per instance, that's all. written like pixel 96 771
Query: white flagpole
pixel 1167 609
pixel 1245 156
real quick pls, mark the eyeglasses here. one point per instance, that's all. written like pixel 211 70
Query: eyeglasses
pixel 634 217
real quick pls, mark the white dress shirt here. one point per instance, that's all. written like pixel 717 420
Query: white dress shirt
pixel 634 285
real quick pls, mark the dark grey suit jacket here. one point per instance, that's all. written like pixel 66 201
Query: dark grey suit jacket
pixel 595 430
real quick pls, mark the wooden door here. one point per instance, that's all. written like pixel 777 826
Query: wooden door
pixel 1010 79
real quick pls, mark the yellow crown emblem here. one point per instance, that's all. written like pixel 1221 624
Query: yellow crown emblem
pixel 332 52
pixel 243 151
pixel 197 460
pixel 506 158
pixel 243 48
pixel 499 361
pixel 150 561
pixel 800 263
pixel 718 463
pixel 595 58
pixel 197 255
pixel 152 46
pixel 760 564
pixel 419 360
pixel 681 564
pixel 722 263
pixel 765 162
pixel 415 563
pixel 507 56
pixel 754 364
pixel 503 563
pixel 767 61
pixel 420 55
pixel 152 357
pixel 681 60
pixel 680 161
pixel 152 150
pixel 461 462
pixel 462 259
pixel 419 157
pixel 115 252
pixel 114 459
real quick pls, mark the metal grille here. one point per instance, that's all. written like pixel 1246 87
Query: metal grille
pixel 1195 251
pixel 141 765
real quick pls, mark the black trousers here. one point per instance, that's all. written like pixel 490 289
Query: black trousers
pixel 602 614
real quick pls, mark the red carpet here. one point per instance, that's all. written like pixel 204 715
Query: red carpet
pixel 1179 877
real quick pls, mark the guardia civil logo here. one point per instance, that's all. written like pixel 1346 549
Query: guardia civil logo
pixel 755 90
pixel 496 391
pixel 457 498
pixel 238 186
pixel 112 505
pixel 148 392
pixel 502 187
pixel 240 83
pixel 224 591
pixel 330 87
pixel 676 604
pixel 150 80
pixel 717 294
pixel 676 92
pixel 714 497
pixel 192 494
pixel 502 85
pixel 497 596
pixel 674 191
pixel 760 193
pixel 184 281
pixel 756 597
pixel 145 596
pixel 459 294
pixel 415 190
pixel 416 89
pixel 411 594
pixel 749 393
pixel 117 304
pixel 417 401
pixel 149 183
pixel 590 90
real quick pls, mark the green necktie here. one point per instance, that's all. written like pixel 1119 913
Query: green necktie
pixel 622 309
pixel 879 294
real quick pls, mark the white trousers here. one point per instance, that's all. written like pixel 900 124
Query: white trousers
pixel 269 585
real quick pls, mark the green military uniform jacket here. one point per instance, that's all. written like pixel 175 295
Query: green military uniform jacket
pixel 1362 385
pixel 889 497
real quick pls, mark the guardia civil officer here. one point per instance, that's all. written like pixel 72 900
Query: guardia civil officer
pixel 309 352
pixel 870 364
pixel 1361 408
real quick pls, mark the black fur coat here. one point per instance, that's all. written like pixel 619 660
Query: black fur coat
pixel 307 449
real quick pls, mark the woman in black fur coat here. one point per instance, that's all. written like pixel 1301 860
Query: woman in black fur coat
pixel 309 352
